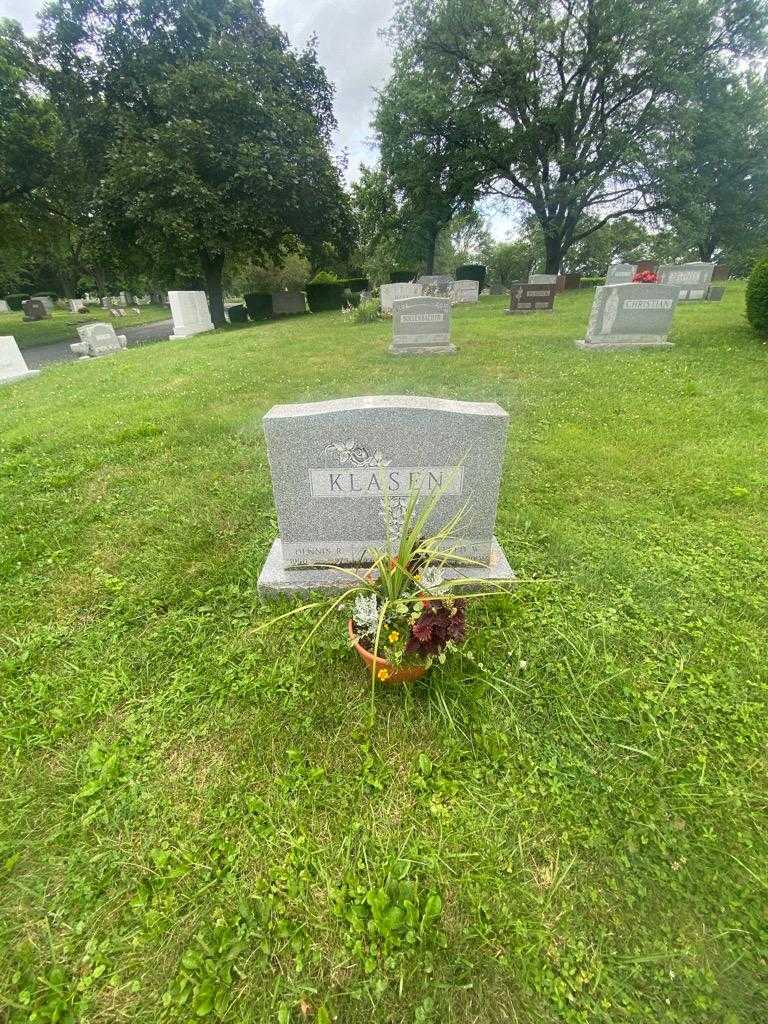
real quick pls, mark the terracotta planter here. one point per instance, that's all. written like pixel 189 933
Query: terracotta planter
pixel 396 675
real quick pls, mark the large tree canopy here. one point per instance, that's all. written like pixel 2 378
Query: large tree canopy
pixel 220 132
pixel 569 97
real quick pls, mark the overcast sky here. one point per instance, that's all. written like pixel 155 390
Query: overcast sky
pixel 356 59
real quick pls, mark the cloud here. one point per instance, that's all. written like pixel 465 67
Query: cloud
pixel 354 56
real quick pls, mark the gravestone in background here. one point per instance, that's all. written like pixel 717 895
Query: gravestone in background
pixel 525 297
pixel 691 279
pixel 465 291
pixel 12 365
pixel 4 307
pixel 46 300
pixel 342 472
pixel 288 303
pixel 34 310
pixel 721 272
pixel 627 315
pixel 389 293
pixel 421 326
pixel 571 281
pixel 436 284
pixel 77 306
pixel 715 294
pixel 190 313
pixel 542 279
pixel 620 273
pixel 98 340
pixel 643 265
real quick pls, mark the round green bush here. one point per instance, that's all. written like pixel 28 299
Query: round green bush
pixel 757 296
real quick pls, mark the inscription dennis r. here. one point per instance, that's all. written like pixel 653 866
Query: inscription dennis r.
pixel 397 480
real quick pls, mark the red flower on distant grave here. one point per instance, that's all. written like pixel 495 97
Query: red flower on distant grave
pixel 645 277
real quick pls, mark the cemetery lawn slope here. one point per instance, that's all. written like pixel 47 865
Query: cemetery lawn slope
pixel 564 824
pixel 62 325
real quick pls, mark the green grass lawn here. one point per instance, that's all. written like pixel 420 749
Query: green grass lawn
pixel 565 824
pixel 63 325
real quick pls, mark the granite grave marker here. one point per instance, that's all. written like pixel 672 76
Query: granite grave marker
pixel 288 303
pixel 691 279
pixel 98 340
pixel 34 310
pixel 542 279
pixel 342 472
pixel 190 313
pixel 620 273
pixel 389 293
pixel 626 315
pixel 465 291
pixel 4 307
pixel 525 297
pixel 421 326
pixel 12 364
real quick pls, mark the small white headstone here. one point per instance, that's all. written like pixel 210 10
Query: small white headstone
pixel 542 279
pixel 465 291
pixel 98 340
pixel 4 308
pixel 190 313
pixel 620 273
pixel 12 365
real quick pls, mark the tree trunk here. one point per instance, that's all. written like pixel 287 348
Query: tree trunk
pixel 431 246
pixel 553 246
pixel 213 267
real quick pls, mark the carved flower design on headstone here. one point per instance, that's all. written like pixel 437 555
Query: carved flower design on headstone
pixel 356 454
pixel 610 312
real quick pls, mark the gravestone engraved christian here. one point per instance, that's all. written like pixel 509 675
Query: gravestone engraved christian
pixel 98 340
pixel 436 284
pixel 12 365
pixel 389 293
pixel 721 272
pixel 626 315
pixel 465 291
pixel 715 294
pixel 34 310
pixel 691 279
pixel 542 279
pixel 288 303
pixel 421 326
pixel 531 298
pixel 4 308
pixel 190 313
pixel 342 472
pixel 620 273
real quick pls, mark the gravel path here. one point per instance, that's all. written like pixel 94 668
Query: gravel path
pixel 60 351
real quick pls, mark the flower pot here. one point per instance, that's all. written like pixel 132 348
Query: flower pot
pixel 396 675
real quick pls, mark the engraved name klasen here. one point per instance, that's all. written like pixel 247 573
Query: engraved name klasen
pixel 421 318
pixel 649 304
pixel 392 480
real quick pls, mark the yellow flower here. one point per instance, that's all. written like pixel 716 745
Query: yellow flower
pixel 394 636
pixel 383 674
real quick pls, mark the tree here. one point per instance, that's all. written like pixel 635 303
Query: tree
pixel 713 174
pixel 510 261
pixel 424 153
pixel 221 131
pixel 569 97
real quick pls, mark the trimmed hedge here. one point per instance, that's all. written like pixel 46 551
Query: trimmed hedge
pixel 357 284
pixel 238 315
pixel 403 276
pixel 323 297
pixel 14 301
pixel 472 272
pixel 757 296
pixel 259 305
pixel 591 282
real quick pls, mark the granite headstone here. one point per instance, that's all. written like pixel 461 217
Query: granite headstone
pixel 12 364
pixel 34 310
pixel 98 340
pixel 436 284
pixel 620 273
pixel 542 279
pixel 190 313
pixel 627 315
pixel 4 308
pixel 721 272
pixel 342 472
pixel 389 293
pixel 288 303
pixel 465 291
pixel 525 297
pixel 691 279
pixel 715 294
pixel 421 326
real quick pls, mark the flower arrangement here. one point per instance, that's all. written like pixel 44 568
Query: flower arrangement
pixel 645 277
pixel 406 610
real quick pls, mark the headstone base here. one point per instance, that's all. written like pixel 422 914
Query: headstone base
pixel 523 312
pixel 440 349
pixel 277 581
pixel 19 376
pixel 641 341
pixel 181 334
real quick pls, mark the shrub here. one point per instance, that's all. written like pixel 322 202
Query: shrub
pixel 351 298
pixel 358 284
pixel 325 277
pixel 367 312
pixel 403 276
pixel 325 295
pixel 259 305
pixel 757 296
pixel 14 301
pixel 591 282
pixel 238 315
pixel 472 272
